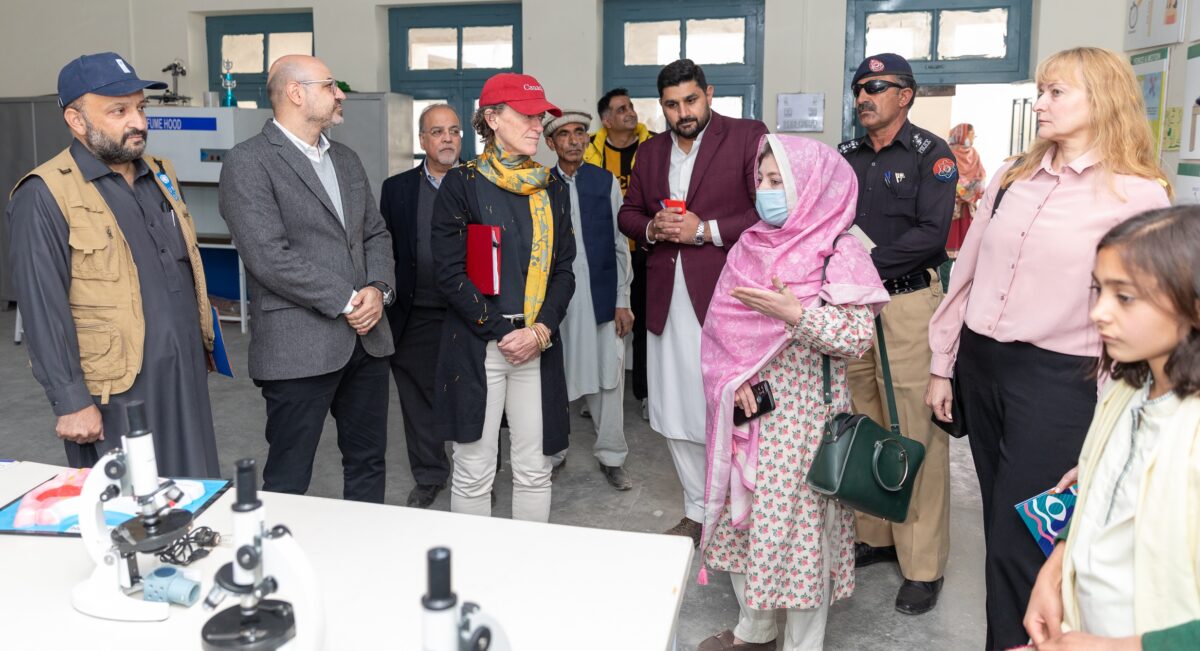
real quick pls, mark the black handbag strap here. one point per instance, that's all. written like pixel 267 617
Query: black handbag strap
pixel 999 198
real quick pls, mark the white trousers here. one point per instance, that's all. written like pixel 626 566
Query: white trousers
pixel 517 391
pixel 805 627
pixel 691 462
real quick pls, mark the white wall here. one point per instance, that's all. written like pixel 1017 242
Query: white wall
pixel 35 43
pixel 1062 24
pixel 803 49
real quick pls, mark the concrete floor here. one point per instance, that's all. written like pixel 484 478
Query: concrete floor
pixel 867 621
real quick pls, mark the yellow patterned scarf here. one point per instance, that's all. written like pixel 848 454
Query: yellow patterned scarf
pixel 520 175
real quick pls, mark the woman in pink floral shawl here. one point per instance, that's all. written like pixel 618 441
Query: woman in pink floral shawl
pixel 772 318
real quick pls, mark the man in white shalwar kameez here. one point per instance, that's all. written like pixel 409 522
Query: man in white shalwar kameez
pixel 689 199
pixel 598 317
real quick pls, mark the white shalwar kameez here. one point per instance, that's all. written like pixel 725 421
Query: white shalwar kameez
pixel 594 357
pixel 674 379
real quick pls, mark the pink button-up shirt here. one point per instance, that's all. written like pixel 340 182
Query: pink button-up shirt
pixel 1023 274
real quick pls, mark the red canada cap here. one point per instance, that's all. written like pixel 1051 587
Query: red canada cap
pixel 522 92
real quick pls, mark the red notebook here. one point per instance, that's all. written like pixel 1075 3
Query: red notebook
pixel 483 257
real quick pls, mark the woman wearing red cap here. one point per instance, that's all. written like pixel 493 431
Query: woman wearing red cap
pixel 500 352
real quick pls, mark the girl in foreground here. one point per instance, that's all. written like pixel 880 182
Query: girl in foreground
pixel 1127 575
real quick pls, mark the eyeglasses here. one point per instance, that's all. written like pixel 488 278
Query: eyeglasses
pixel 874 86
pixel 330 83
pixel 438 132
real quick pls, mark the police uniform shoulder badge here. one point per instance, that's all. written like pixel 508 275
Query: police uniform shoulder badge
pixel 848 146
pixel 944 169
pixel 921 143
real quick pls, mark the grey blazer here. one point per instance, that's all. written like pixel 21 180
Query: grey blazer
pixel 302 266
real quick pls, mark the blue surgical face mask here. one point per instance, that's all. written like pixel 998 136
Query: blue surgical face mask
pixel 771 206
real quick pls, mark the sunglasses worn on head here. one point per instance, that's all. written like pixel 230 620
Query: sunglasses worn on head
pixel 874 86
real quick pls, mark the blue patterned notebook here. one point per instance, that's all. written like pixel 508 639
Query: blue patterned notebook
pixel 1047 514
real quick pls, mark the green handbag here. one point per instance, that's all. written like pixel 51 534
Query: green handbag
pixel 862 464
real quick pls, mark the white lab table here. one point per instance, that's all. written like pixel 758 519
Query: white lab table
pixel 552 587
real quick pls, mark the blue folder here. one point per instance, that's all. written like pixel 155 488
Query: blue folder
pixel 220 355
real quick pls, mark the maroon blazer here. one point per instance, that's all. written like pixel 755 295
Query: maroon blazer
pixel 722 188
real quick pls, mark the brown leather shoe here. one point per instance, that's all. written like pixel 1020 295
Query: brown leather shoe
pixel 686 527
pixel 724 641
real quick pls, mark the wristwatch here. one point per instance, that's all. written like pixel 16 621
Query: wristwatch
pixel 699 239
pixel 389 294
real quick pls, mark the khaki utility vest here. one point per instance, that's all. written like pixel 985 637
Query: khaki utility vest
pixel 105 295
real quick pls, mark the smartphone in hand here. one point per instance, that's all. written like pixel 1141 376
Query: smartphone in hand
pixel 762 396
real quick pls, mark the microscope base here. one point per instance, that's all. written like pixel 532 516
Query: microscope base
pixel 273 626
pixel 100 596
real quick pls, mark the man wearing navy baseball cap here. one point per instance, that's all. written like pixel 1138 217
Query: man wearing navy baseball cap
pixel 906 186
pixel 109 279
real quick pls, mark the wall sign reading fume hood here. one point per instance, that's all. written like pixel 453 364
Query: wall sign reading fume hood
pixel 163 123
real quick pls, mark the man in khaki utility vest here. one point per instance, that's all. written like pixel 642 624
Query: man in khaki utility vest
pixel 109 279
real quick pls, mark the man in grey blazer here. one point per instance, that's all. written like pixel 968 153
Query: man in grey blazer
pixel 320 268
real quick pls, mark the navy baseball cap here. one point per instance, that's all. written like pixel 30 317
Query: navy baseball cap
pixel 107 73
pixel 882 64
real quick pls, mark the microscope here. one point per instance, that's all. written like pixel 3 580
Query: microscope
pixel 129 470
pixel 264 560
pixel 446 628
pixel 177 70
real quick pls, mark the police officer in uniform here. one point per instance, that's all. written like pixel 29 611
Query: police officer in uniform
pixel 906 185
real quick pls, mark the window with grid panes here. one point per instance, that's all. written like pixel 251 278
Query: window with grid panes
pixel 252 43
pixel 724 38
pixel 442 55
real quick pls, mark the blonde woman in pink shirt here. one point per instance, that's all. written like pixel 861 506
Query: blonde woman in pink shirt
pixel 1013 330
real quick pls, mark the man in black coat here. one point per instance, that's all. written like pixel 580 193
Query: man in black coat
pixel 417 314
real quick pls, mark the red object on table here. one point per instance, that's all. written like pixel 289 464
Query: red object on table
pixel 483 257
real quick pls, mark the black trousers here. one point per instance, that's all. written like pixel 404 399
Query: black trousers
pixel 1027 411
pixel 413 368
pixel 357 397
pixel 637 304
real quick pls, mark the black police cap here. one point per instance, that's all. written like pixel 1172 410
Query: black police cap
pixel 882 64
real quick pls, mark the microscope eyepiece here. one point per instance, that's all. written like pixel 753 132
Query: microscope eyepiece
pixel 247 486
pixel 135 413
pixel 439 595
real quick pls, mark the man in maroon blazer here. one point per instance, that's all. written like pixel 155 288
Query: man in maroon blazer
pixel 707 162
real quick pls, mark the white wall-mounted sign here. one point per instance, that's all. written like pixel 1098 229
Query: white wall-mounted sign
pixel 800 112
pixel 1154 22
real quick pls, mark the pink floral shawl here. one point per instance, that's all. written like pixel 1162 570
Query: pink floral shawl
pixel 737 342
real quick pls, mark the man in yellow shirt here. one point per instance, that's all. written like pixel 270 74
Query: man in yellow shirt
pixel 614 146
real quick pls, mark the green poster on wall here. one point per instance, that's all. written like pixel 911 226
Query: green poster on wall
pixel 1151 70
